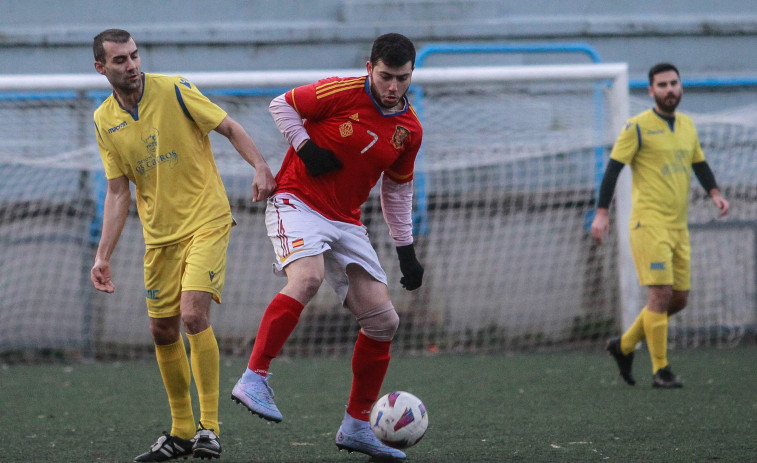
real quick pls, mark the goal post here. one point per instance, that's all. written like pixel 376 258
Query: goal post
pixel 508 174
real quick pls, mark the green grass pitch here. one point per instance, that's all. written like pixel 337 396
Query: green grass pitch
pixel 558 407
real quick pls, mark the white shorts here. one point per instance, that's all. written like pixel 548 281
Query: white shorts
pixel 298 231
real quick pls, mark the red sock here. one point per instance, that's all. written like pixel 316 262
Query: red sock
pixel 370 360
pixel 279 320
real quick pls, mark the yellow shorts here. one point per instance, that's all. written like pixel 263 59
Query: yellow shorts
pixel 195 264
pixel 662 256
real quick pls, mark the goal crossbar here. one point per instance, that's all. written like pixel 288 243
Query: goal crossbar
pixel 615 71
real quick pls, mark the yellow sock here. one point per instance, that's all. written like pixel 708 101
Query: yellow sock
pixel 634 334
pixel 656 329
pixel 174 368
pixel 204 356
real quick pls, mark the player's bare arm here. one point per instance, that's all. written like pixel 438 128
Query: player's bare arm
pixel 600 226
pixel 263 182
pixel 116 208
pixel 707 180
pixel 720 202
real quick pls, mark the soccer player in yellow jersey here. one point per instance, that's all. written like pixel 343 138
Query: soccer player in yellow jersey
pixel 153 131
pixel 662 147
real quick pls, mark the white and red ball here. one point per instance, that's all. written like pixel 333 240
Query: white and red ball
pixel 399 419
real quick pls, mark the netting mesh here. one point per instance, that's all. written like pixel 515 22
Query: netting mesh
pixel 506 183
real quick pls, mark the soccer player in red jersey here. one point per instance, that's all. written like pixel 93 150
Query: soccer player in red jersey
pixel 356 131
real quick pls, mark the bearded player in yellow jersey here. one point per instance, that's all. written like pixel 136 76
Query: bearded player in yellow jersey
pixel 662 147
pixel 153 131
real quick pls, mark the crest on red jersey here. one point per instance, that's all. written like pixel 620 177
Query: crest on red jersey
pixel 345 130
pixel 400 137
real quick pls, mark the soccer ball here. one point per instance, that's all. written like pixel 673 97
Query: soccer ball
pixel 399 419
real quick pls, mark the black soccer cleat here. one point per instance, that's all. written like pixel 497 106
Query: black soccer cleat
pixel 167 447
pixel 665 379
pixel 206 444
pixel 624 361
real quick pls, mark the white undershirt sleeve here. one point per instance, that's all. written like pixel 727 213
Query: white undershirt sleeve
pixel 397 206
pixel 288 121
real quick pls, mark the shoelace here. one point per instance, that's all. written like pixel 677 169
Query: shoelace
pixel 205 432
pixel 268 393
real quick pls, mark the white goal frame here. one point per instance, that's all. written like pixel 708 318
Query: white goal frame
pixel 616 94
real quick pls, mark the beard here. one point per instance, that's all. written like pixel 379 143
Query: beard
pixel 668 103
pixel 126 84
pixel 377 98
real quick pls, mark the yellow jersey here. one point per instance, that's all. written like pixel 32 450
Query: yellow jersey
pixel 164 149
pixel 660 153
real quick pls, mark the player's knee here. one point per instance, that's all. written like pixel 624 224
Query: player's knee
pixel 164 330
pixel 659 298
pixel 380 323
pixel 195 321
pixel 305 285
pixel 678 302
pixel 312 283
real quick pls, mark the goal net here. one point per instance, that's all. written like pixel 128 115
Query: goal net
pixel 505 188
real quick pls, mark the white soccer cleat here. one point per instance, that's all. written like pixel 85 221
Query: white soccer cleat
pixel 364 441
pixel 253 391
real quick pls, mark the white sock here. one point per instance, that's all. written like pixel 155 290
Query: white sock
pixel 351 425
pixel 250 375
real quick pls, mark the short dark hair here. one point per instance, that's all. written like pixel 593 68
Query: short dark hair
pixel 393 49
pixel 110 35
pixel 661 67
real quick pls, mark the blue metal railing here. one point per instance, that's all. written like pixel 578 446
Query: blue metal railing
pixel 38 96
pixel 705 82
pixel 526 48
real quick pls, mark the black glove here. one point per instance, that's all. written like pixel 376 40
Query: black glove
pixel 318 161
pixel 412 270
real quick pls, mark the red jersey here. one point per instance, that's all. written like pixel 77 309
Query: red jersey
pixel 342 116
